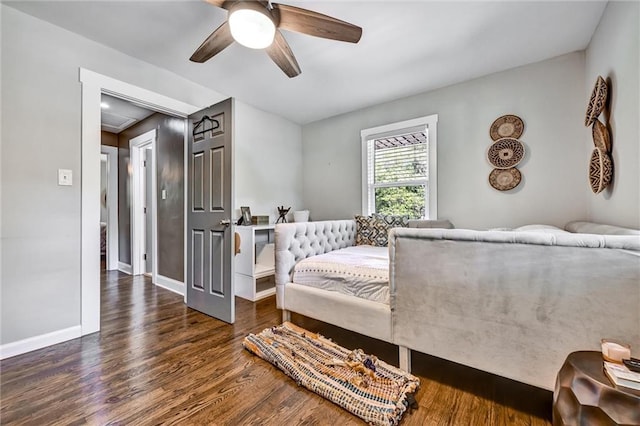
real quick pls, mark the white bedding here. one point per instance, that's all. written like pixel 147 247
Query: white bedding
pixel 361 271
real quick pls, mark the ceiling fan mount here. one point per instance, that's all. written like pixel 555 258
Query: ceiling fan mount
pixel 257 24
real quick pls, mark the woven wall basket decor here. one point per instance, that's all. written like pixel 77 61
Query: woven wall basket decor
pixel 597 101
pixel 507 126
pixel 600 170
pixel 505 179
pixel 505 153
pixel 601 137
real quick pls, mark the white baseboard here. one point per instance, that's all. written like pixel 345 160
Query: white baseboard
pixel 125 268
pixel 170 284
pixel 38 342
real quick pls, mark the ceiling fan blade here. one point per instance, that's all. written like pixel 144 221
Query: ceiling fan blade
pixel 316 24
pixel 281 54
pixel 214 44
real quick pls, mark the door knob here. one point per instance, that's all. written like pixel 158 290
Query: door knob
pixel 225 222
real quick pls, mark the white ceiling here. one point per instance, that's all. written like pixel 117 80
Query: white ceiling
pixel 118 114
pixel 406 47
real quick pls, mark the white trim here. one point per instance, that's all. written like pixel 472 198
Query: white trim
pixel 90 211
pixel 186 208
pixel 93 85
pixel 170 284
pixel 431 123
pixel 136 146
pixel 137 95
pixel 112 206
pixel 38 342
pixel 125 268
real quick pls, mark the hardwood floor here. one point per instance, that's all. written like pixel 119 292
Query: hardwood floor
pixel 158 362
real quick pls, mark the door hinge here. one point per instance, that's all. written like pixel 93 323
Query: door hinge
pixel 144 163
pixel 144 210
pixel 144 256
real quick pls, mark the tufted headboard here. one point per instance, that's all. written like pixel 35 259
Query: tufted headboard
pixel 297 241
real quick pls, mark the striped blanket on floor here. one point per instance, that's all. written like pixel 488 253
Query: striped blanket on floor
pixel 369 388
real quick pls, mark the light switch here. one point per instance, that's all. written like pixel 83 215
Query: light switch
pixel 65 177
pixel 164 194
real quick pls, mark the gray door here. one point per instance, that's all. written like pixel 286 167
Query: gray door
pixel 148 211
pixel 209 201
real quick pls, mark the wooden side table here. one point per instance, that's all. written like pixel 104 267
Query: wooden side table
pixel 584 395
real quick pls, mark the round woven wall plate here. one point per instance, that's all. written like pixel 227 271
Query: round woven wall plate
pixel 505 179
pixel 600 170
pixel 597 101
pixel 507 126
pixel 505 153
pixel 600 135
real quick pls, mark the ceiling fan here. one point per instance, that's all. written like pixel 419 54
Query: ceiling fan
pixel 257 24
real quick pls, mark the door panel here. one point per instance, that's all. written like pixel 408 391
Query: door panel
pixel 217 261
pixel 217 179
pixel 198 181
pixel 209 249
pixel 197 273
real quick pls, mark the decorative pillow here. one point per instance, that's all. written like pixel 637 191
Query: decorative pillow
pixel 392 220
pixel 371 231
pixel 374 230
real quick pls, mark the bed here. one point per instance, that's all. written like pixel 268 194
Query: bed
pixel 511 302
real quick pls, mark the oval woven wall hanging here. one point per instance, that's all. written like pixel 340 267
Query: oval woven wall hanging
pixel 505 179
pixel 600 170
pixel 505 153
pixel 597 101
pixel 601 137
pixel 507 126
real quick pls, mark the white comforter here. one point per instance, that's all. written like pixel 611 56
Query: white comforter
pixel 361 271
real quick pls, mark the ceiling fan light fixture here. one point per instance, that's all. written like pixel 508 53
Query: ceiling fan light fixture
pixel 252 27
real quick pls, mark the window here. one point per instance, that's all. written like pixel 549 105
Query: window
pixel 399 169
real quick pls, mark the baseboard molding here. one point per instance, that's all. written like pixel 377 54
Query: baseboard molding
pixel 170 284
pixel 125 268
pixel 38 342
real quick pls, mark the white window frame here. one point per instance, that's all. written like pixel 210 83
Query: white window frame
pixel 430 123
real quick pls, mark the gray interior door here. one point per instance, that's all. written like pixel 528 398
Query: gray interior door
pixel 209 201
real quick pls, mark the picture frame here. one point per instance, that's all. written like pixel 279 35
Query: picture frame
pixel 246 215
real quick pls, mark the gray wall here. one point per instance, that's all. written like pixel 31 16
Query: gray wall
pixel 170 177
pixel 547 95
pixel 40 221
pixel 614 53
pixel 268 162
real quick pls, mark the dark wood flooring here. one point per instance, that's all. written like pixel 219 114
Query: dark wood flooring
pixel 158 362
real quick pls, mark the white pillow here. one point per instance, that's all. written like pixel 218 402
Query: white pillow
pixel 582 227
pixel 547 229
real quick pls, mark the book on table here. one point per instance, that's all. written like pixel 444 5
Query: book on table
pixel 620 375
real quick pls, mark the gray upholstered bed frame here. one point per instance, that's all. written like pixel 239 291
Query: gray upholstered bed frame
pixel 511 303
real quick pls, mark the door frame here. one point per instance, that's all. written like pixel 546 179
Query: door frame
pixel 93 86
pixel 112 206
pixel 138 184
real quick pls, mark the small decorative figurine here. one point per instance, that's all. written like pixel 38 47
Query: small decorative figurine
pixel 283 214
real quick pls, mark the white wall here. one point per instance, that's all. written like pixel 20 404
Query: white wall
pixel 41 95
pixel 614 53
pixel 268 162
pixel 546 95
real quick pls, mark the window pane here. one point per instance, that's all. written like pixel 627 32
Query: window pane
pixel 401 200
pixel 401 163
